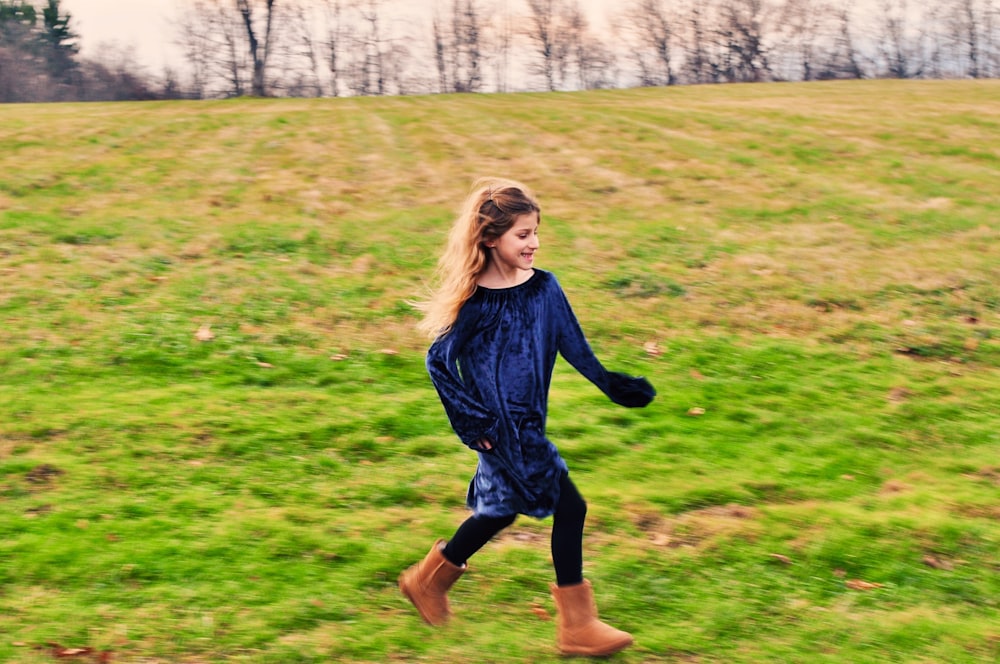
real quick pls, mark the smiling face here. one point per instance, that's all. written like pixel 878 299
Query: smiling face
pixel 515 249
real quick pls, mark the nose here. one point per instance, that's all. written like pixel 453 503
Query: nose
pixel 534 242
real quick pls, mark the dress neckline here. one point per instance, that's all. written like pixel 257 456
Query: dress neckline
pixel 534 275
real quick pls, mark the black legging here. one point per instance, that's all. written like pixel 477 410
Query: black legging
pixel 567 534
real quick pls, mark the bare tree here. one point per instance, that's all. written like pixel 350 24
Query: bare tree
pixel 843 60
pixel 802 24
pixel 468 31
pixel 379 59
pixel 213 40
pixel 336 35
pixel 259 39
pixel 652 37
pixel 965 21
pixel 368 70
pixel 595 63
pixel 704 59
pixel 741 34
pixel 503 40
pixel 304 54
pixel 442 54
pixel 194 39
pixel 231 44
pixel 114 76
pixel 459 45
pixel 581 59
pixel 990 50
pixel 541 32
pixel 899 46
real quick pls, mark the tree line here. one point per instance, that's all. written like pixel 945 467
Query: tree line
pixel 387 47
pixel 40 60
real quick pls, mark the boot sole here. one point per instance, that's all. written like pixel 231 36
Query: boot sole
pixel 618 646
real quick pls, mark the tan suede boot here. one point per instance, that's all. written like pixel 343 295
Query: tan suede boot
pixel 579 630
pixel 426 584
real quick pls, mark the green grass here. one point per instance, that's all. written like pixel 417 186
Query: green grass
pixel 814 266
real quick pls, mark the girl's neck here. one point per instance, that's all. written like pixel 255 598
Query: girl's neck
pixel 494 277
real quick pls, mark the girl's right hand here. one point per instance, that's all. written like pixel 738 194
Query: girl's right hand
pixel 630 391
pixel 483 445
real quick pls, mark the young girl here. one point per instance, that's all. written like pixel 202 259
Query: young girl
pixel 497 323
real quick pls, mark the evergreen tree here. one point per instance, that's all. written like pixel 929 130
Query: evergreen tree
pixel 17 19
pixel 59 47
pixel 18 57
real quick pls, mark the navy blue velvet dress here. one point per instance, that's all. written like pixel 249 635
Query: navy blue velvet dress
pixel 492 371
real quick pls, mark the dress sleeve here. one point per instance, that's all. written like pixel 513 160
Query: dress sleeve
pixel 624 390
pixel 470 419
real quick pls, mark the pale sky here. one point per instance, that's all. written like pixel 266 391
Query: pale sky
pixel 144 24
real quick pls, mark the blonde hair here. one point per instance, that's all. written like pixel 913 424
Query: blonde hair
pixel 490 210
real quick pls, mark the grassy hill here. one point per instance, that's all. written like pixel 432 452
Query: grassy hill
pixel 218 442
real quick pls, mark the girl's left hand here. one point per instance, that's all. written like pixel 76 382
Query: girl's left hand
pixel 484 445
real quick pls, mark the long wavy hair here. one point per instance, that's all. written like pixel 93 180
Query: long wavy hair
pixel 490 210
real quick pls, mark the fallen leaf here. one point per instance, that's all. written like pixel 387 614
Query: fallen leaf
pixel 204 333
pixel 898 394
pixel 265 365
pixel 696 411
pixel 937 563
pixel 540 612
pixel 894 486
pixel 73 652
pixel 652 348
pixel 61 652
pixel 781 558
pixel 43 473
pixel 660 539
pixel 697 375
pixel 389 351
pixel 338 357
pixel 738 511
pixel 858 584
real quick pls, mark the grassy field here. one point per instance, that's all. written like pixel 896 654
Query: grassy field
pixel 218 442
